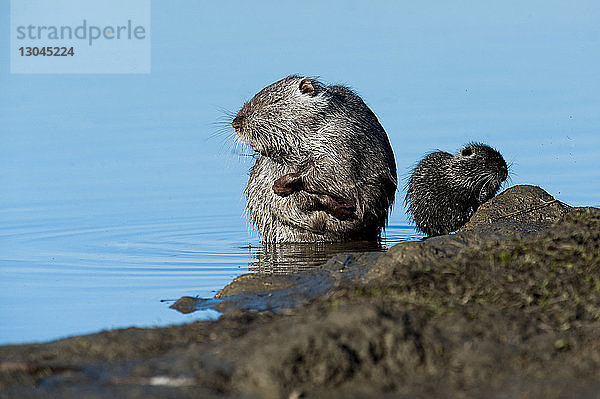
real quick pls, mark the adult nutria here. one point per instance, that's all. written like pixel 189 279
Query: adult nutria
pixel 324 170
pixel 444 190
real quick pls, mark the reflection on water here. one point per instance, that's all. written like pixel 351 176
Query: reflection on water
pixel 272 263
pixel 292 257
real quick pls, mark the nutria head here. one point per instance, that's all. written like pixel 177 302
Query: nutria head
pixel 281 118
pixel 479 169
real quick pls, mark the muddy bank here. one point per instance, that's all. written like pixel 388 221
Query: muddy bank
pixel 508 307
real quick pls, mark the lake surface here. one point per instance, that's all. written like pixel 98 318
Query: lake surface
pixel 119 191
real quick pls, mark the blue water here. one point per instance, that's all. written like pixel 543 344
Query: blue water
pixel 118 191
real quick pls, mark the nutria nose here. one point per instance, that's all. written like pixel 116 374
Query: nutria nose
pixel 236 123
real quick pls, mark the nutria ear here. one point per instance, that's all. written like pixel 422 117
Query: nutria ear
pixel 307 87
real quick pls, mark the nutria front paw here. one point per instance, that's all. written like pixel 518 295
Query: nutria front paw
pixel 337 207
pixel 288 184
pixel 343 211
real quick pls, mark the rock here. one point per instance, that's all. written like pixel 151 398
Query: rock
pixel 517 210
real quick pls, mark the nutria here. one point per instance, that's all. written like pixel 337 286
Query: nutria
pixel 444 190
pixel 324 169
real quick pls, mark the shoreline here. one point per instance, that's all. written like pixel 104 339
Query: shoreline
pixel 508 306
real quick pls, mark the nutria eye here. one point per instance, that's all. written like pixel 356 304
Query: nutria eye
pixel 467 151
pixel 307 87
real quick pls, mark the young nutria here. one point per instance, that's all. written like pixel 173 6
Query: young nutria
pixel 324 167
pixel 444 190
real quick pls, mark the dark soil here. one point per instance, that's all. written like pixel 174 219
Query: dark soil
pixel 508 307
